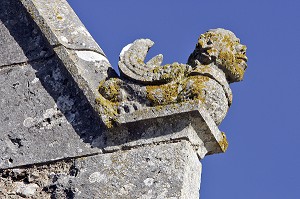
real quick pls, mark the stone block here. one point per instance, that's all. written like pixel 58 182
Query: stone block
pixel 155 171
pixel 44 115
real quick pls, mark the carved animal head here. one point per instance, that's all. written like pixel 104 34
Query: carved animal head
pixel 223 48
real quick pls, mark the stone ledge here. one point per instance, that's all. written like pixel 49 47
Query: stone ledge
pixel 185 121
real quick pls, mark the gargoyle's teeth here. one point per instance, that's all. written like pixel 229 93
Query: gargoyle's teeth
pixel 243 57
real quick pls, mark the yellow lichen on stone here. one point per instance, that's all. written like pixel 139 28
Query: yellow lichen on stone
pixel 223 142
pixel 162 94
pixel 193 88
pixel 108 107
pixel 170 72
pixel 227 51
pixel 227 40
pixel 108 110
pixel 230 62
pixel 110 89
pixel 59 17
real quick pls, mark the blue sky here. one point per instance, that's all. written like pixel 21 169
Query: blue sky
pixel 262 126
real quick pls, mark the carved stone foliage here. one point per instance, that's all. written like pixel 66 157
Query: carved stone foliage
pixel 218 59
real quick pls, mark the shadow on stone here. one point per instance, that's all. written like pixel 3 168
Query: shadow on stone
pixel 50 71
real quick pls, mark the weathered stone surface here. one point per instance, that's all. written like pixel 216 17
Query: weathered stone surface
pixel 132 64
pixel 162 171
pixel 217 75
pixel 154 171
pixel 45 116
pixel 87 68
pixel 60 24
pixel 73 44
pixel 43 106
pixel 20 40
pixel 25 190
pixel 36 182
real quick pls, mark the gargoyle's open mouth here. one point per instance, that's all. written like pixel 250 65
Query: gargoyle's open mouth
pixel 242 57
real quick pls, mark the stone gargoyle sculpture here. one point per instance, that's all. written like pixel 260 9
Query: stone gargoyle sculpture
pixel 218 59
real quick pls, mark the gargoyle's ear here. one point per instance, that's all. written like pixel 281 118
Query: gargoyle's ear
pixel 205 52
pixel 205 40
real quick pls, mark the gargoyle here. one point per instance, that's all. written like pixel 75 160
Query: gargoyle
pixel 218 59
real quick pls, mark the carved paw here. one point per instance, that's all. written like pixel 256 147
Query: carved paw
pixel 128 107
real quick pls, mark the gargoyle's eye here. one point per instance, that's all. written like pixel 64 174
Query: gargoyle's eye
pixel 241 49
pixel 209 42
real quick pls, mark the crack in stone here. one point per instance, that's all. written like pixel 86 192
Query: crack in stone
pixel 104 151
pixel 31 62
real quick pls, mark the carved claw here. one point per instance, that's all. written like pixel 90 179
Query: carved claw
pixel 128 107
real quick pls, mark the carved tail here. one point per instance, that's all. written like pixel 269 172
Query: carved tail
pixel 132 65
